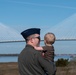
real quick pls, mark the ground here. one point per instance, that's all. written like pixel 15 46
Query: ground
pixel 12 69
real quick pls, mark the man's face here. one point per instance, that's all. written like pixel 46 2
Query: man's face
pixel 36 40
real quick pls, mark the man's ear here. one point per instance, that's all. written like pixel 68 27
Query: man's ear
pixel 31 40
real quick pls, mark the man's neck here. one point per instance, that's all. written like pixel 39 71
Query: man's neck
pixel 30 44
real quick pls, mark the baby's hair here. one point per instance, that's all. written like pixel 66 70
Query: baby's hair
pixel 49 38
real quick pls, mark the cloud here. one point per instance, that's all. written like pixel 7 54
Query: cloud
pixel 65 29
pixel 9 34
pixel 35 4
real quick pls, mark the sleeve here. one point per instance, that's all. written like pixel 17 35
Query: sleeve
pixel 47 66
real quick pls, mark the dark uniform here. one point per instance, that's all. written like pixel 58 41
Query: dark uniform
pixel 31 62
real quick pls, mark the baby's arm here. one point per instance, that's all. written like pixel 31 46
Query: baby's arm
pixel 38 48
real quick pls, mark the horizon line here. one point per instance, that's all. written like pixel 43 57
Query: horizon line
pixel 9 41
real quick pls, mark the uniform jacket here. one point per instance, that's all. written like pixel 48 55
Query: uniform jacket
pixel 31 62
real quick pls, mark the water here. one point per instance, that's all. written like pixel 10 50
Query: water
pixel 61 47
pixel 62 56
pixel 65 47
pixel 11 48
pixel 8 58
pixel 15 58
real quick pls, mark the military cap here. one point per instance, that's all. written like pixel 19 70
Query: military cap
pixel 29 32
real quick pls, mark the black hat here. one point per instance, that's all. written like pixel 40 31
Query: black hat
pixel 30 31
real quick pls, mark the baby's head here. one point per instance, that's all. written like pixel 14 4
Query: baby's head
pixel 49 38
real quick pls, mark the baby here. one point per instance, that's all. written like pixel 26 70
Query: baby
pixel 48 50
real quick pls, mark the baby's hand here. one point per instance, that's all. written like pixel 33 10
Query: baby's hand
pixel 38 48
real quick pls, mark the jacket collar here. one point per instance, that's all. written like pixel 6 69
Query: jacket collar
pixel 29 46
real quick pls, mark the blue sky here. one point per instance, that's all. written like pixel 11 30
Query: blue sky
pixel 22 14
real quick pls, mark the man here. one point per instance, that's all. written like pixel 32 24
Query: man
pixel 30 61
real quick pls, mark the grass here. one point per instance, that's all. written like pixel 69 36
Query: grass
pixel 9 69
pixel 12 69
pixel 70 69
